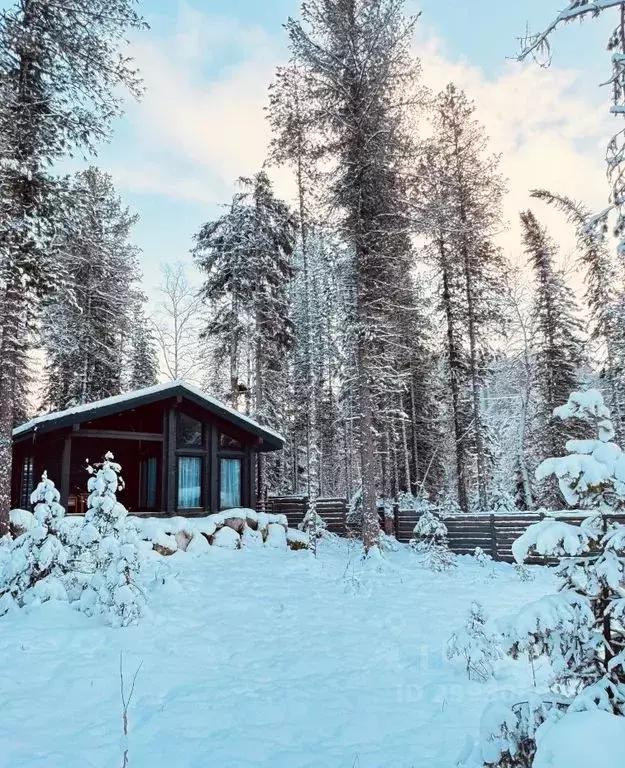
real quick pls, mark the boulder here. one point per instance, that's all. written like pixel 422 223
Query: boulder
pixel 227 538
pixel 183 538
pixel 276 536
pixel 296 539
pixel 236 523
pixel 198 544
pixel 252 522
pixel 162 550
pixel 251 538
pixel 164 544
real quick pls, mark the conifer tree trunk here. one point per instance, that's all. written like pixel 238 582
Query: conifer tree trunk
pixel 475 384
pixel 454 386
pixel 11 306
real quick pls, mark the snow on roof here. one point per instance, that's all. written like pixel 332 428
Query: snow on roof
pixel 140 394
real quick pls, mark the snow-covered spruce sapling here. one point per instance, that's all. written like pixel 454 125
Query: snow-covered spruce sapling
pixel 315 526
pixel 592 477
pixel 429 537
pixel 33 565
pixel 580 629
pixel 109 551
pixel 478 648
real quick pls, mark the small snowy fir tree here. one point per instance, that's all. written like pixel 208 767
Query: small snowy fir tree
pixel 110 553
pixel 314 525
pixel 476 646
pixel 580 629
pixel 33 566
pixel 354 511
pixel 430 539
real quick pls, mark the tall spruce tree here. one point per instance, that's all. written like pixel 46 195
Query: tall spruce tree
pixel 460 192
pixel 246 256
pixel 360 78
pixel 557 345
pixel 293 144
pixel 86 327
pixel 143 357
pixel 605 299
pixel 61 71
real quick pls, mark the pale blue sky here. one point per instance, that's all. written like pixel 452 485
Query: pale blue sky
pixel 206 64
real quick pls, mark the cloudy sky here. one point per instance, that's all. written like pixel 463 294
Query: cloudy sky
pixel 207 64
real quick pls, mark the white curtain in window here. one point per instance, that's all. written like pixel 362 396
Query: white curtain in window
pixel 230 486
pixel 189 482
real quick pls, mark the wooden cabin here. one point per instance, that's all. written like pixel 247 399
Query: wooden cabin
pixel 181 451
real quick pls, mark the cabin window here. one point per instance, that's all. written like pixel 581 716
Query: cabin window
pixel 27 485
pixel 189 482
pixel 228 443
pixel 230 483
pixel 189 432
pixel 148 481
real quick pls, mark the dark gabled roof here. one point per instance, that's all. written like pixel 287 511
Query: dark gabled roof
pixel 272 441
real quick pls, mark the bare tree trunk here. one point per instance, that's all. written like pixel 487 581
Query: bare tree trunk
pixel 463 499
pixel 406 452
pixel 475 385
pixel 11 309
pixel 415 445
pixel 371 523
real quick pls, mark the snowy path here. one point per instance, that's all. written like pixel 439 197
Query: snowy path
pixel 259 658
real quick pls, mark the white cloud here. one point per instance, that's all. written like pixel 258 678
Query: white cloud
pixel 195 134
pixel 202 124
pixel 549 134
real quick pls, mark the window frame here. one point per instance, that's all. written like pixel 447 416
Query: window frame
pixel 144 490
pixel 27 481
pixel 199 456
pixel 240 458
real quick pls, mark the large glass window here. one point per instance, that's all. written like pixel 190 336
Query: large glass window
pixel 27 485
pixel 230 483
pixel 189 482
pixel 148 480
pixel 189 432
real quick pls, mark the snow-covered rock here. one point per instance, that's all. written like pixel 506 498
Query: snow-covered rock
pixel 227 538
pixel 276 536
pixel 296 539
pixel 251 538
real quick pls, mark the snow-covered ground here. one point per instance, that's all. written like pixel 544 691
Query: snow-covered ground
pixel 260 657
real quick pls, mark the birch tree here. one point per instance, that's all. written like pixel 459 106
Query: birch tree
pixel 177 324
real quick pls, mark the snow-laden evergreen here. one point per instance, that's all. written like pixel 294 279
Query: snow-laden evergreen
pixel 94 563
pixel 477 646
pixel 91 329
pixel 108 552
pixel 579 630
pixel 33 566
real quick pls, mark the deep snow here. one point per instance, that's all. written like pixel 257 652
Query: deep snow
pixel 260 657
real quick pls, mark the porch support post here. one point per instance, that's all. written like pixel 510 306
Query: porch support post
pixel 214 468
pixel 170 464
pixel 249 487
pixel 66 466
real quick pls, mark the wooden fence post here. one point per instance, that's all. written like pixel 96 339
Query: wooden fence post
pixel 493 537
pixel 396 518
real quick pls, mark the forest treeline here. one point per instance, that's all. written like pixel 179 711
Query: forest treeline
pixel 373 318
